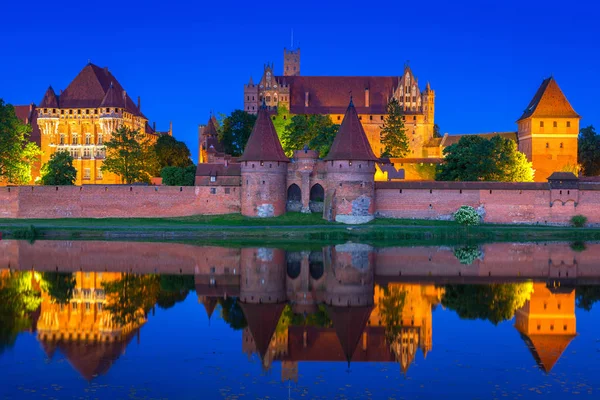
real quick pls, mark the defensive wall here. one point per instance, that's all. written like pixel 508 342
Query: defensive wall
pixel 552 203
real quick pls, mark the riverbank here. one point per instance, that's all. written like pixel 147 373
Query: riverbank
pixel 290 227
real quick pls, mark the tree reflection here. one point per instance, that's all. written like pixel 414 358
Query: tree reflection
pixel 59 286
pixel 174 289
pixel 130 298
pixel 18 298
pixel 232 313
pixel 390 310
pixel 586 296
pixel 494 302
pixel 319 318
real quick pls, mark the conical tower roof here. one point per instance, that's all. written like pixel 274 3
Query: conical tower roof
pixel 262 320
pixel 547 349
pixel 351 142
pixel 50 99
pixel 112 98
pixel 349 324
pixel 209 303
pixel 263 144
pixel 549 101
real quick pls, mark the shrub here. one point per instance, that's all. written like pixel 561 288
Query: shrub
pixel 468 254
pixel 466 215
pixel 29 233
pixel 178 176
pixel 578 221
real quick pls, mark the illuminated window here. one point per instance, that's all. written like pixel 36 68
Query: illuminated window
pixel 213 178
pixel 88 138
pixel 561 145
pixel 100 139
pixel 87 152
pixel 568 124
pixel 62 138
pixel 75 139
pixel 554 124
pixel 547 145
pixel 99 174
pixel 541 124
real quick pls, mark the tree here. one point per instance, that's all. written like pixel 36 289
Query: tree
pixel 475 158
pixel 17 153
pixel 390 310
pixel 59 170
pixel 170 152
pixel 589 151
pixel 232 313
pixel 235 132
pixel 59 285
pixel 315 131
pixel 131 297
pixel 281 120
pixel 177 176
pixel 494 302
pixel 586 296
pixel 130 155
pixel 436 131
pixel 393 133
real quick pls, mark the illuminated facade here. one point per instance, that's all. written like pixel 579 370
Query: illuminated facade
pixel 83 117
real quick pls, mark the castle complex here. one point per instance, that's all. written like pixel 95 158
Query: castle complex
pixel 82 118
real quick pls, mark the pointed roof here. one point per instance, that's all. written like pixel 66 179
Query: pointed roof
pixel 209 303
pixel 351 142
pixel 262 320
pixel 547 349
pixel 211 127
pixel 50 99
pixel 250 82
pixel 549 101
pixel 112 98
pixel 349 324
pixel 263 144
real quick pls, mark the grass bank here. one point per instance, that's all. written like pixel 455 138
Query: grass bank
pixel 292 227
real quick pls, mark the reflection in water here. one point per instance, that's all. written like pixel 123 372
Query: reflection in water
pixel 346 303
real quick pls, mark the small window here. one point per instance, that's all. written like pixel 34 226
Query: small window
pixel 547 145
pixel 554 124
pixel 213 190
pixel 87 112
pixel 381 118
pixel 541 124
pixel 213 178
pixel 74 306
pixel 415 118
pixel 561 145
pixel 568 124
pixel 339 117
pixel 99 174
pixel 227 190
pixel 370 117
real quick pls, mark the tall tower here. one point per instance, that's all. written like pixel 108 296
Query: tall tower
pixel 264 170
pixel 548 131
pixel 251 97
pixel 291 62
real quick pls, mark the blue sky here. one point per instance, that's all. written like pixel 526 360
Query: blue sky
pixel 485 59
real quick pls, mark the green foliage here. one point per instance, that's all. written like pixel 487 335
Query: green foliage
pixel 131 297
pixel 235 131
pixel 578 221
pixel 171 152
pixel 178 176
pixel 281 120
pixel 288 318
pixel 588 148
pixel 467 254
pixel 578 246
pixel 17 153
pixel 475 158
pixel 390 310
pixel 466 215
pixel 18 299
pixel 130 155
pixel 177 283
pixel 29 233
pixel 59 285
pixel 393 132
pixel 494 302
pixel 425 171
pixel 232 313
pixel 59 170
pixel 315 131
pixel 586 296
pixel 436 131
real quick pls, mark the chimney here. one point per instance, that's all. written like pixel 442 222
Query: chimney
pixel 305 99
pixel 139 103
pixel 170 128
pixel 154 126
pixel 367 103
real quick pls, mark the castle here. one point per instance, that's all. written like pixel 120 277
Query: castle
pixel 82 118
pixel 547 130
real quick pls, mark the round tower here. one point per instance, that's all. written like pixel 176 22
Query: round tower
pixel 350 174
pixel 263 276
pixel 264 171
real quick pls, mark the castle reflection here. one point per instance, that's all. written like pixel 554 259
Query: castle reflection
pixel 345 303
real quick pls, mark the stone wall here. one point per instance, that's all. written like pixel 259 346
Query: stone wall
pixel 116 201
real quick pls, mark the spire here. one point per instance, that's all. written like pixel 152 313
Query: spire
pixel 262 321
pixel 112 98
pixel 50 99
pixel 263 144
pixel 549 101
pixel 349 324
pixel 351 142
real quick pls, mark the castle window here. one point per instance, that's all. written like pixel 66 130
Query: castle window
pixel 547 145
pixel 213 178
pixel 360 117
pixel 86 174
pixel 414 118
pixel 62 112
pixel 100 139
pixel 70 111
pixel 263 182
pixel 371 117
pixel 248 98
pixel 227 190
pixel 339 117
pixel 75 139
pixel 86 152
pixel 99 174
pixel 62 138
pixel 381 117
pixel 88 138
pixel 87 111
pixel 79 112
pixel 262 163
pixel 561 145
pixel 252 97
pixel 568 124
pixel 95 111
pixel 554 124
pixel 541 124
pixel 213 190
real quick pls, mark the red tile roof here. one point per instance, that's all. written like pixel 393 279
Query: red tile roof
pixel 89 88
pixel 262 320
pixel 549 101
pixel 50 100
pixel 263 144
pixel 351 143
pixel 349 324
pixel 547 349
pixel 112 98
pixel 329 94
pixel 218 170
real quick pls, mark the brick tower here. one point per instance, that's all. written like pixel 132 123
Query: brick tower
pixel 264 170
pixel 350 164
pixel 291 62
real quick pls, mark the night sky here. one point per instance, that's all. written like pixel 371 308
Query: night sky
pixel 484 59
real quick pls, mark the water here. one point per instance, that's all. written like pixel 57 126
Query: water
pixel 155 320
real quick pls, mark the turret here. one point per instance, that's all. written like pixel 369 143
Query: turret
pixel 251 97
pixel 264 168
pixel 350 174
pixel 291 62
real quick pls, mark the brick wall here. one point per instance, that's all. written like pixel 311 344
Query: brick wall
pixel 116 201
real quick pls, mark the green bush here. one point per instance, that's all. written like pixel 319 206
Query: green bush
pixel 468 254
pixel 177 176
pixel 466 215
pixel 578 221
pixel 29 233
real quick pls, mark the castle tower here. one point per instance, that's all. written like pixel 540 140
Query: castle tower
pixel 548 131
pixel 428 102
pixel 251 97
pixel 264 170
pixel 208 136
pixel 547 323
pixel 291 62
pixel 350 196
